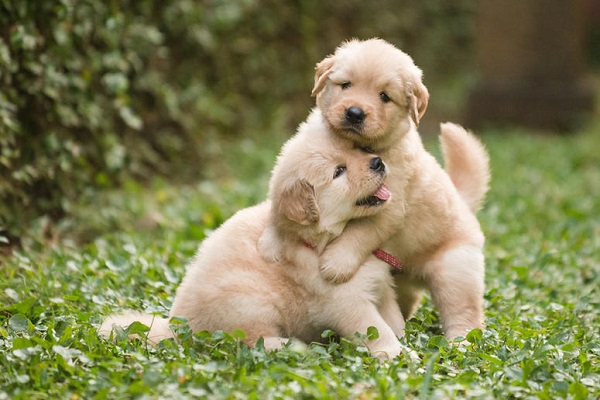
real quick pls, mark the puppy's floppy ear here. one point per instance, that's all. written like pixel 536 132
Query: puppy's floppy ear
pixel 417 97
pixel 322 72
pixel 298 203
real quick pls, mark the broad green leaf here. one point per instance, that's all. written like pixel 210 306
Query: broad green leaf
pixel 19 323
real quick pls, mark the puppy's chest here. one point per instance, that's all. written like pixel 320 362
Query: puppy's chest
pixel 401 182
pixel 412 241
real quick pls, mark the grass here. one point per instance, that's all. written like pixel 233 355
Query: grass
pixel 542 340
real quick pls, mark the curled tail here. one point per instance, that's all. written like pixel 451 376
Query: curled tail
pixel 467 163
pixel 159 327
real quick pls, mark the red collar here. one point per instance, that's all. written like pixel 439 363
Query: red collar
pixel 379 253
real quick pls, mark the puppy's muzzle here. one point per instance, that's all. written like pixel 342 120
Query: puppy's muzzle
pixel 382 194
pixel 355 115
pixel 376 164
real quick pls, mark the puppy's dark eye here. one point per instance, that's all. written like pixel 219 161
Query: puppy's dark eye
pixel 345 85
pixel 339 171
pixel 384 97
pixel 367 150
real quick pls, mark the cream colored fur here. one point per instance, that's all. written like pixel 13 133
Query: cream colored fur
pixel 430 224
pixel 230 286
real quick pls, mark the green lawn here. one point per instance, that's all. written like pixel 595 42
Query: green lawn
pixel 542 221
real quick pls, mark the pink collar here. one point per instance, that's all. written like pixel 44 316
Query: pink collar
pixel 379 253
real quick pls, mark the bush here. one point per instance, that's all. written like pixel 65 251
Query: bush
pixel 94 93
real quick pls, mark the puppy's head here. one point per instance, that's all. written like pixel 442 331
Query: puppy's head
pixel 369 90
pixel 321 185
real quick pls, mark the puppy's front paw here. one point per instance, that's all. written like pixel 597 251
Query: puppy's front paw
pixel 270 247
pixel 334 274
pixel 392 351
pixel 337 268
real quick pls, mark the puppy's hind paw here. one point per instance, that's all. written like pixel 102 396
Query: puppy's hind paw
pixel 412 355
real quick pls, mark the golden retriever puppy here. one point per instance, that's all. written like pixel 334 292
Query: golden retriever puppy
pixel 317 186
pixel 370 94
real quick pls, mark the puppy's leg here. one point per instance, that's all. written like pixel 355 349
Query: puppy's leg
pixel 159 327
pixel 391 313
pixel 456 281
pixel 270 245
pixel 408 296
pixel 358 318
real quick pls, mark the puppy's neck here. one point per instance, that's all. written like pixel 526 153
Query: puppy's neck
pixel 296 235
pixel 399 144
pixel 315 237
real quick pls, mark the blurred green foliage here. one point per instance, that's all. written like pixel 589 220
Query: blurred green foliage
pixel 94 93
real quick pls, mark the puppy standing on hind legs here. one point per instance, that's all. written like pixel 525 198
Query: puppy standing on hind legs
pixel 370 94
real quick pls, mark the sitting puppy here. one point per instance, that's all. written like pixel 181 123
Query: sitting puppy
pixel 317 187
pixel 370 94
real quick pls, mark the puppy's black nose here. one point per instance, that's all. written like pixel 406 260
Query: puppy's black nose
pixel 377 164
pixel 355 115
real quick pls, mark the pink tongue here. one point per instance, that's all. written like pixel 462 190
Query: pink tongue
pixel 383 193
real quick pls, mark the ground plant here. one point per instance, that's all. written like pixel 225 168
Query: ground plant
pixel 541 340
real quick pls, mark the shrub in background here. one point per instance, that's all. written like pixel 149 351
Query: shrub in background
pixel 95 92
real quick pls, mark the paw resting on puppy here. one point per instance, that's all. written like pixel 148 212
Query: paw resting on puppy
pixel 337 265
pixel 270 247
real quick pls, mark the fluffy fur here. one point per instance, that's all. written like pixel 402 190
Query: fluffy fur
pixel 370 94
pixel 314 191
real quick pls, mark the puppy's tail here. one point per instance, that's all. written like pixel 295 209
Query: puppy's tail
pixel 467 163
pixel 159 327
